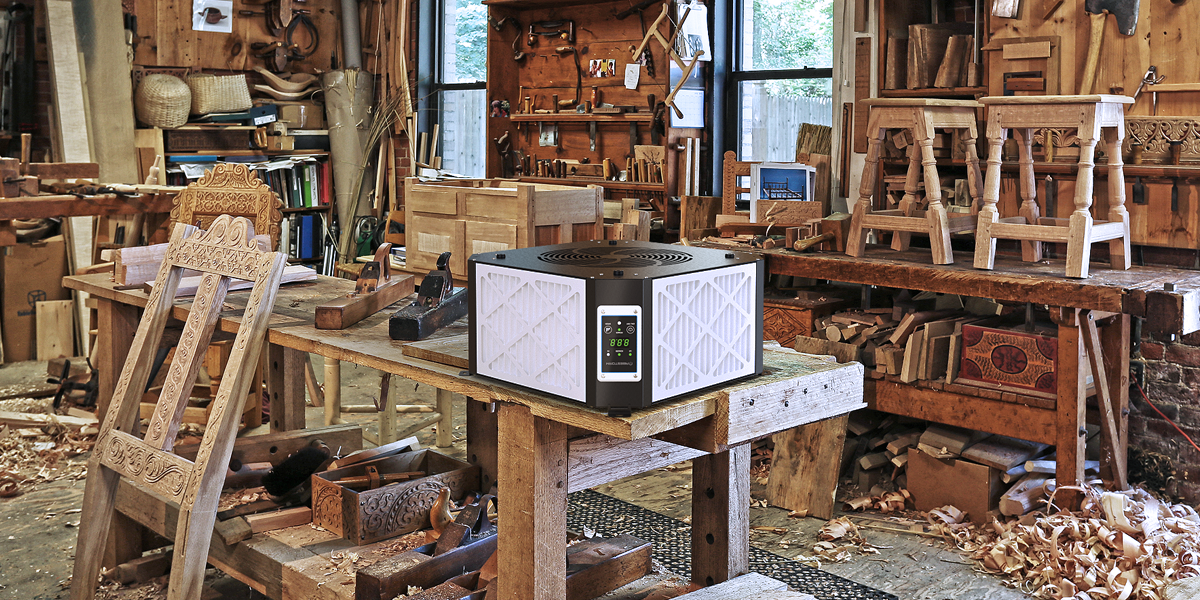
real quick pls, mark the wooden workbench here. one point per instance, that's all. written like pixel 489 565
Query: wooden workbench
pixel 536 448
pixel 1168 300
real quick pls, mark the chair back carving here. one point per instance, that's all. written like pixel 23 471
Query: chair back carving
pixel 229 189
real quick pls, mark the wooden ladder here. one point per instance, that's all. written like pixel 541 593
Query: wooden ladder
pixel 227 250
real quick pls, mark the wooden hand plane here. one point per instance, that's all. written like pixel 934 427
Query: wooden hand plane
pixel 438 304
pixel 376 289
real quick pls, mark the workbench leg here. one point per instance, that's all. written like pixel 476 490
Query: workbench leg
pixel 481 440
pixel 533 515
pixel 117 324
pixel 1072 413
pixel 1114 343
pixel 721 515
pixel 333 391
pixel 445 425
pixel 285 385
pixel 387 411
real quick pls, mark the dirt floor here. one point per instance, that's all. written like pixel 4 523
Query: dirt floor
pixel 38 527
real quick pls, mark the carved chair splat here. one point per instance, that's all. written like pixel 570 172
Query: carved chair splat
pixel 227 250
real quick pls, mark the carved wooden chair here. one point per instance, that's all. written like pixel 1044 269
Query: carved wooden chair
pixel 229 189
pixel 227 250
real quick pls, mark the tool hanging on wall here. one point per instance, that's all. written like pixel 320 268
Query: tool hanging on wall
pixel 518 54
pixel 671 54
pixel 1150 78
pixel 647 57
pixel 561 50
pixel 552 29
pixel 1126 13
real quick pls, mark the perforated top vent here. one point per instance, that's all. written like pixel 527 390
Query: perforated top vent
pixel 615 257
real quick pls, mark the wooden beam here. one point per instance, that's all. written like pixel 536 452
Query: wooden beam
pixel 598 459
pixel 41 207
pixel 65 170
pixel 992 416
pixel 721 515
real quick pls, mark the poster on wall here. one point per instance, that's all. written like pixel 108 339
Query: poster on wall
pixel 694 36
pixel 780 181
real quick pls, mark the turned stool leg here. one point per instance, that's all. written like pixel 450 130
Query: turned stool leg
pixel 900 239
pixel 856 243
pixel 935 212
pixel 1031 251
pixel 974 178
pixel 1118 250
pixel 1079 234
pixel 985 244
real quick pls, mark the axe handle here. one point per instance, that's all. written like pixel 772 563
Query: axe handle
pixel 1093 54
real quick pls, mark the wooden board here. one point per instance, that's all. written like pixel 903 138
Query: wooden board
pixel 805 467
pixel 862 91
pixel 346 311
pixel 1002 452
pixel 450 351
pixel 55 329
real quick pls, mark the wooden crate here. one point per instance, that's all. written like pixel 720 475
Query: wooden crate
pixel 368 516
pixel 485 215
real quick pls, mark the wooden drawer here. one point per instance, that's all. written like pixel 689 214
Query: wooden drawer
pixel 430 199
pixel 428 237
pixel 489 237
pixel 503 204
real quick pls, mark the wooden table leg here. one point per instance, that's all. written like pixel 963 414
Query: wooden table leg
pixel 285 385
pixel 1114 343
pixel 445 425
pixel 533 515
pixel 333 391
pixel 387 411
pixel 117 323
pixel 1072 389
pixel 481 440
pixel 721 515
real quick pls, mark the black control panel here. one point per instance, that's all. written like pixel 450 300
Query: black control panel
pixel 618 344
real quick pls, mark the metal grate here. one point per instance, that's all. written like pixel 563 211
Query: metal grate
pixel 615 257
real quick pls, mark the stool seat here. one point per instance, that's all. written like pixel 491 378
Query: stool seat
pixel 921 117
pixel 1094 116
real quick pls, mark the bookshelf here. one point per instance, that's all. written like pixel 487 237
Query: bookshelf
pixel 303 180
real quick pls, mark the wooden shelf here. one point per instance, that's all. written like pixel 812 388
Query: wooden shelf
pixel 522 4
pixel 955 92
pixel 250 153
pixel 322 207
pixel 616 185
pixel 1101 169
pixel 568 117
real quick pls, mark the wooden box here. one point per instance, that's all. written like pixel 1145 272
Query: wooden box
pixel 365 516
pixel 786 318
pixel 466 217
pixel 972 488
pixel 1024 361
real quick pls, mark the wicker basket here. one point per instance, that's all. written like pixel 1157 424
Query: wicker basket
pixel 212 94
pixel 162 101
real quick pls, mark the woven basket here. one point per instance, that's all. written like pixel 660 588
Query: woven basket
pixel 162 101
pixel 212 94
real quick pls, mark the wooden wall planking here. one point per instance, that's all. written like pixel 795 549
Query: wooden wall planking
pixel 166 39
pixel 1161 39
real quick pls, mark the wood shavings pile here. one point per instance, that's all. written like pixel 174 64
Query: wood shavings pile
pixel 28 461
pixel 887 503
pixel 234 498
pixel 1119 545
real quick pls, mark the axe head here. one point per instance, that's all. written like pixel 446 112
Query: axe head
pixel 1126 12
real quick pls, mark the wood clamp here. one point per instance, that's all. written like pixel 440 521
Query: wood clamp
pixel 667 45
pixel 375 290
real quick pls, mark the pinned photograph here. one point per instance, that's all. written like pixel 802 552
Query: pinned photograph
pixel 212 15
pixel 602 67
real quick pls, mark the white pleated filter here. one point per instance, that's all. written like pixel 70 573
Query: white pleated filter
pixel 704 329
pixel 530 329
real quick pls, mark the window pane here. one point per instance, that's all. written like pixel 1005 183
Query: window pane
pixel 465 53
pixel 772 111
pixel 787 34
pixel 462 120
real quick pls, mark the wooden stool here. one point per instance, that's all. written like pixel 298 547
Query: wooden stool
pixel 1092 115
pixel 920 116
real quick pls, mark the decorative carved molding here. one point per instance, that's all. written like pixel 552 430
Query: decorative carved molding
pixel 160 471
pixel 226 248
pixel 229 189
pixel 1156 134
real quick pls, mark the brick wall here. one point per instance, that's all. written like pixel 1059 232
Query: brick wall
pixel 1173 385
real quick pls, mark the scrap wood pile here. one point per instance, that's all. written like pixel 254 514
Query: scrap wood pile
pixel 37 445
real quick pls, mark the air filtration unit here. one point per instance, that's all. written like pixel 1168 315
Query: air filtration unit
pixel 618 325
